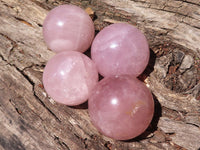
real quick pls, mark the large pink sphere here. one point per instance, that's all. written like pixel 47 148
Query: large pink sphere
pixel 69 77
pixel 120 49
pixel 68 27
pixel 121 107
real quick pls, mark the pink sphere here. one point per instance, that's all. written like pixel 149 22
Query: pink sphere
pixel 68 27
pixel 121 107
pixel 69 77
pixel 120 49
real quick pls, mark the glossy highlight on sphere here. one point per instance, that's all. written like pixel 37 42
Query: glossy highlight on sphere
pixel 121 107
pixel 68 28
pixel 69 77
pixel 120 49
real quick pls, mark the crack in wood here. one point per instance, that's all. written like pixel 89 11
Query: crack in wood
pixel 33 84
pixel 156 30
pixel 182 2
pixel 49 110
pixel 169 11
pixel 188 2
pixel 61 143
pixel 14 44
pixel 23 21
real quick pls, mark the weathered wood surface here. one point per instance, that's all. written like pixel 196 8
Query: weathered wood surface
pixel 30 120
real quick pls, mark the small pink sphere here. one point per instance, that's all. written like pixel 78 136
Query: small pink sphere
pixel 121 107
pixel 68 27
pixel 69 77
pixel 120 49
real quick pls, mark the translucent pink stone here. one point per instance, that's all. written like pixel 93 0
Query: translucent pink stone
pixel 69 77
pixel 68 27
pixel 121 107
pixel 120 49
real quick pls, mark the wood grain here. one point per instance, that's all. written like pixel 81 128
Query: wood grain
pixel 30 120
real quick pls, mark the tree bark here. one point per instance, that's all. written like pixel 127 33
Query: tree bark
pixel 31 120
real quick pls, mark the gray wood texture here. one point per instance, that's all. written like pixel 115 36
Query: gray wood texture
pixel 30 120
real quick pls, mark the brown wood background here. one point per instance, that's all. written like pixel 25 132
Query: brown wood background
pixel 30 120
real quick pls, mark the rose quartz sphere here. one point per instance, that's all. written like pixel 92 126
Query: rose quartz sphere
pixel 69 77
pixel 68 27
pixel 121 107
pixel 120 49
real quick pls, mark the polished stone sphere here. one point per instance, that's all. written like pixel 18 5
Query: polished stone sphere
pixel 121 107
pixel 69 77
pixel 68 28
pixel 120 49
